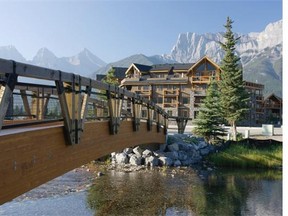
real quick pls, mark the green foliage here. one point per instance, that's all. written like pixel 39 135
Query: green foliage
pixel 210 115
pixel 243 156
pixel 234 98
pixel 111 78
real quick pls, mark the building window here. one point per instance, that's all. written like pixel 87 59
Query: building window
pixel 146 88
pixel 144 113
pixel 170 112
pixel 159 100
pixel 185 113
pixel 186 100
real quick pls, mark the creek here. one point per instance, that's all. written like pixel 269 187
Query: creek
pixel 168 191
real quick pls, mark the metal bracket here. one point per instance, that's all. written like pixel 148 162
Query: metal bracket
pixel 6 92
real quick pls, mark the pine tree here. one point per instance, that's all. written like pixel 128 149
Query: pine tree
pixel 210 117
pixel 233 97
pixel 111 78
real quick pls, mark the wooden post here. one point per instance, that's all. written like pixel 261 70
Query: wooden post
pixel 73 107
pixel 158 120
pixel 181 123
pixel 137 107
pixel 26 103
pixel 150 113
pixel 115 107
pixel 6 92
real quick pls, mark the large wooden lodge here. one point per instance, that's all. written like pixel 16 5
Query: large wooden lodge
pixel 180 88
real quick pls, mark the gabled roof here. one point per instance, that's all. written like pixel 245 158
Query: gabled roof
pixel 204 58
pixel 273 96
pixel 139 67
pixel 100 77
pixel 167 67
pixel 120 72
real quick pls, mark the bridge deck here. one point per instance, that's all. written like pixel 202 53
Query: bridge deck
pixel 34 155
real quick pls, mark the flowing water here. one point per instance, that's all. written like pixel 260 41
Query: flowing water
pixel 166 192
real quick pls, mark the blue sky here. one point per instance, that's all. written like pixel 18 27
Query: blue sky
pixel 116 29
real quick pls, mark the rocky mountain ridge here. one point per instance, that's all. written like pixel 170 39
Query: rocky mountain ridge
pixel 84 63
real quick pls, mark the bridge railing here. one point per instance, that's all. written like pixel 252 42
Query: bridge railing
pixel 79 99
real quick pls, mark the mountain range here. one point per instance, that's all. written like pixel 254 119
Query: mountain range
pixel 260 52
pixel 85 63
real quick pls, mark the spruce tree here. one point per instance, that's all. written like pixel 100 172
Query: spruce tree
pixel 234 97
pixel 111 78
pixel 210 117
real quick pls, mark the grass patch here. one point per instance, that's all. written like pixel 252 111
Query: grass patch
pixel 244 156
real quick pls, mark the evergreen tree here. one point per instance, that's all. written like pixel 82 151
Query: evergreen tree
pixel 234 97
pixel 210 117
pixel 111 78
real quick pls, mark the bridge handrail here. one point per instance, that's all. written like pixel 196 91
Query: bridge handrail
pixel 73 123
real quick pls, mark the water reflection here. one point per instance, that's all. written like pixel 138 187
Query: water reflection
pixel 183 192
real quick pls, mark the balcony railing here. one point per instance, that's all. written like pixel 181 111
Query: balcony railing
pixel 203 79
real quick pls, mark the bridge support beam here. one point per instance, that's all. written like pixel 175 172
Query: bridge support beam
pixel 181 123
pixel 115 106
pixel 158 121
pixel 137 107
pixel 150 113
pixel 39 105
pixel 73 107
pixel 6 92
pixel 25 103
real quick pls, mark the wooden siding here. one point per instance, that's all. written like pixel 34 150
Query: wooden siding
pixel 31 158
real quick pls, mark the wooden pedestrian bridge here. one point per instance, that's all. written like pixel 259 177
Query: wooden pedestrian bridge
pixel 53 121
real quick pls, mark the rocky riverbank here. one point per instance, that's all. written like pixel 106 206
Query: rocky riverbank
pixel 179 150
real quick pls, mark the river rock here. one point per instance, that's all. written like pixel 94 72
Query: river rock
pixel 165 161
pixel 147 153
pixel 177 163
pixel 159 153
pixel 151 161
pixel 163 147
pixel 138 151
pixel 173 155
pixel 121 158
pixel 204 151
pixel 182 156
pixel 128 151
pixel 201 144
pixel 135 160
pixel 173 147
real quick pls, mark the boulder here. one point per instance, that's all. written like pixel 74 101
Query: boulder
pixel 159 153
pixel 204 151
pixel 177 163
pixel 182 156
pixel 138 151
pixel 121 158
pixel 128 151
pixel 173 147
pixel 165 161
pixel 151 161
pixel 173 155
pixel 135 160
pixel 162 147
pixel 147 153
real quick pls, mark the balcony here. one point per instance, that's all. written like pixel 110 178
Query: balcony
pixel 170 93
pixel 128 80
pixel 170 105
pixel 202 79
pixel 143 92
